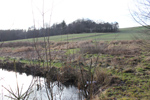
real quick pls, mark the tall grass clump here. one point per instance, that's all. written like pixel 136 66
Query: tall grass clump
pixel 93 48
pixel 112 48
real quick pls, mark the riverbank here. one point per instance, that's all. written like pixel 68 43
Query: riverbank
pixel 37 89
pixel 120 68
pixel 52 72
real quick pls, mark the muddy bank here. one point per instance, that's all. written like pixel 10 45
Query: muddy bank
pixel 23 68
pixel 64 75
pixel 79 78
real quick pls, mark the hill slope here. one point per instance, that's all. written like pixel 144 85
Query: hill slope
pixel 123 34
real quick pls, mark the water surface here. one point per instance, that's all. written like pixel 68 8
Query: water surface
pixel 9 80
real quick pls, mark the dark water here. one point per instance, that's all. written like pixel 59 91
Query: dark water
pixel 38 87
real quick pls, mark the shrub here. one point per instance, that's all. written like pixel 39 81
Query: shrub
pixel 69 74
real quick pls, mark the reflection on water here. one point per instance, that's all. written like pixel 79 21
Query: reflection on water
pixel 40 90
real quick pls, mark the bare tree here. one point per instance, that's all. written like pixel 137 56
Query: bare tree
pixel 141 12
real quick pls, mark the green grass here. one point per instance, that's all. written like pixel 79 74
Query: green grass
pixel 134 85
pixel 123 34
pixel 132 29
pixel 72 51
pixel 30 62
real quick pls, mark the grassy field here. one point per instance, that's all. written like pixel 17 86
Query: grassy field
pixel 122 68
pixel 123 34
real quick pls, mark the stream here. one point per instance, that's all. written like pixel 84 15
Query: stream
pixel 38 88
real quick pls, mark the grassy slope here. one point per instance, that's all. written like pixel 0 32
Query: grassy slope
pixel 136 84
pixel 123 34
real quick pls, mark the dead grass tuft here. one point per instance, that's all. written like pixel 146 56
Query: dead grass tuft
pixel 147 58
pixel 65 45
pixel 23 49
pixel 113 48
pixel 93 48
pixel 128 70
pixel 6 50
pixel 102 77
pixel 69 74
pixel 81 43
pixel 25 44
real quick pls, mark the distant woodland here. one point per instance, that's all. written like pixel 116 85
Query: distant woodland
pixel 79 26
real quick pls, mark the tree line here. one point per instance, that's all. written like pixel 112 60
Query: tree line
pixel 78 26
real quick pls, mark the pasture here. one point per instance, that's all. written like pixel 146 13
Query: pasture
pixel 123 34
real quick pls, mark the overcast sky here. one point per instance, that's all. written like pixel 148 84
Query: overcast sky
pixel 19 14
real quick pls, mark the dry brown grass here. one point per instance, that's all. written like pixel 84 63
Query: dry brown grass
pixel 6 50
pixel 147 59
pixel 116 42
pixel 102 77
pixel 24 43
pixel 93 48
pixel 113 48
pixel 23 49
pixel 65 45
pixel 69 74
pixel 81 43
